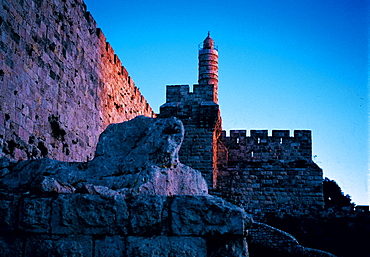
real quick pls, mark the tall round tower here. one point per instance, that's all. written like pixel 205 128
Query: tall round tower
pixel 208 64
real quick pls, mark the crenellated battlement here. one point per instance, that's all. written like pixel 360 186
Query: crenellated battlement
pixel 269 173
pixel 197 108
pixel 259 146
pixel 181 93
pixel 263 134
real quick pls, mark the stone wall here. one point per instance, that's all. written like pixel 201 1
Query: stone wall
pixel 261 147
pixel 201 118
pixel 269 174
pixel 61 83
pixel 93 225
pixel 261 173
pixel 293 188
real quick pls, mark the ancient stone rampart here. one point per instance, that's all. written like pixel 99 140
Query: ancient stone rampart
pixel 293 188
pixel 269 173
pixel 61 82
pixel 259 172
pixel 178 93
pixel 261 147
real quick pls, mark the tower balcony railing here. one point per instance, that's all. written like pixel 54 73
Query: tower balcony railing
pixel 200 47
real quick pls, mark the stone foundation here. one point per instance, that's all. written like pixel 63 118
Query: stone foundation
pixel 92 225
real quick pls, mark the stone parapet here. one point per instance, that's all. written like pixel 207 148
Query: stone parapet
pixel 181 93
pixel 261 147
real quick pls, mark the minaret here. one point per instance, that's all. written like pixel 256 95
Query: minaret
pixel 208 64
pixel 200 113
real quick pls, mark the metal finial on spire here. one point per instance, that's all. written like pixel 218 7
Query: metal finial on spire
pixel 209 33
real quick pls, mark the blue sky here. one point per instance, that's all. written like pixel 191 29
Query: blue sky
pixel 284 64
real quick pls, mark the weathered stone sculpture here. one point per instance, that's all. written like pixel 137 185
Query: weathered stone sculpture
pixel 135 157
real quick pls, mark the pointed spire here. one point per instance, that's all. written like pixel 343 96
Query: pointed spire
pixel 208 43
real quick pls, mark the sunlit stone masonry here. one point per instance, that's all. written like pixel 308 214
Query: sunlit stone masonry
pixel 61 82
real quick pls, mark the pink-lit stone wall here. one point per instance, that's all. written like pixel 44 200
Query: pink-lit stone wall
pixel 61 83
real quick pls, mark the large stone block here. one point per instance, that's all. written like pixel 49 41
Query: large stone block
pixel 166 246
pixel 207 215
pixel 8 211
pixel 89 214
pixel 50 246
pixel 11 246
pixel 134 157
pixel 110 246
pixel 35 214
pixel 149 215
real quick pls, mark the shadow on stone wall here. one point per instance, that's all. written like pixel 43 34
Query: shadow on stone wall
pixel 344 233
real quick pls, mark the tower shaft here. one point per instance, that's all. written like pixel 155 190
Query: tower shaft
pixel 208 64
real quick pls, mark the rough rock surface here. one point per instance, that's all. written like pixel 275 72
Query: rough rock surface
pixel 266 240
pixel 134 157
pixel 144 225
